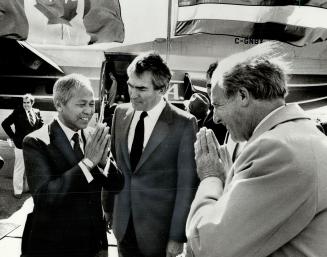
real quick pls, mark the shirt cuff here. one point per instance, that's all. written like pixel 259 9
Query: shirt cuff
pixel 212 184
pixel 86 172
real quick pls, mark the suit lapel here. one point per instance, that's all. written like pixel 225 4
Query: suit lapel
pixel 159 133
pixel 26 118
pixel 126 123
pixel 61 142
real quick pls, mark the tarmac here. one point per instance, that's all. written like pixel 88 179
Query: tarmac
pixel 11 228
pixel 10 243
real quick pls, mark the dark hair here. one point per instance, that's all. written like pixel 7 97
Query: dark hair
pixel 151 62
pixel 211 69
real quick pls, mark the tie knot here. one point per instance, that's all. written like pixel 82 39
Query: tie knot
pixel 75 138
pixel 143 115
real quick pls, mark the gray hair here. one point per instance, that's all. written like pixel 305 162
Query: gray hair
pixel 65 86
pixel 261 70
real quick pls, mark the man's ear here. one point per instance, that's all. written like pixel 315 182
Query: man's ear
pixel 58 106
pixel 244 96
pixel 163 90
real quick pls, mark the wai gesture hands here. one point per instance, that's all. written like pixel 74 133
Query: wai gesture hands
pixel 97 145
pixel 212 159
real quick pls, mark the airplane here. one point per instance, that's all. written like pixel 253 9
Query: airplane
pixel 30 68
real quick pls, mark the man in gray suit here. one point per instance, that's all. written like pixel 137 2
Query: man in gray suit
pixel 273 201
pixel 153 144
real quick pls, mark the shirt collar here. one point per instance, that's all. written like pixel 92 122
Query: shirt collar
pixel 267 117
pixel 27 111
pixel 68 132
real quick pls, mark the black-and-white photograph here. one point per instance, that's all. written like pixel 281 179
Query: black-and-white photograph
pixel 163 128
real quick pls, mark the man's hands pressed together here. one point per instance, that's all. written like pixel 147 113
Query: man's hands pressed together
pixel 212 159
pixel 97 145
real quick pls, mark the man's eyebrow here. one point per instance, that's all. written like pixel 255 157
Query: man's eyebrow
pixel 137 87
pixel 84 101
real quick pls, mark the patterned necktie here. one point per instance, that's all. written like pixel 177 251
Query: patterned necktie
pixel 137 146
pixel 30 117
pixel 77 147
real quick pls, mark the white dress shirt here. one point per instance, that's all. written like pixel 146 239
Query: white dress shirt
pixel 149 122
pixel 69 134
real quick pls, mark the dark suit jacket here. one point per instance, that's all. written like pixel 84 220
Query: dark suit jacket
pixel 67 219
pixel 219 129
pixel 161 189
pixel 19 119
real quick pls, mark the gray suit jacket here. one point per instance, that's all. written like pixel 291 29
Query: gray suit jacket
pixel 275 199
pixel 160 191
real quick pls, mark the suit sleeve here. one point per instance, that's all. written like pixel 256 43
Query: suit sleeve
pixel 114 182
pixel 108 198
pixel 40 119
pixel 6 124
pixel 48 188
pixel 270 199
pixel 187 182
pixel 51 189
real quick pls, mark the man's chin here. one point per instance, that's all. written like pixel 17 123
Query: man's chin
pixel 233 137
pixel 83 124
pixel 136 107
pixel 237 139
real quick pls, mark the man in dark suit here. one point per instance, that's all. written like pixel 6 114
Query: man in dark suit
pixel 152 142
pixel 67 165
pixel 26 119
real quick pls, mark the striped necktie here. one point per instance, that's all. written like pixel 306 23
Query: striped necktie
pixel 30 117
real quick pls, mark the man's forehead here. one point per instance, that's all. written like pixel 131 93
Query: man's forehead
pixel 82 92
pixel 141 80
pixel 217 90
pixel 217 77
pixel 218 94
pixel 217 84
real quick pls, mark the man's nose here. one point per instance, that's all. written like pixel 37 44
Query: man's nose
pixel 88 109
pixel 132 93
pixel 216 117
